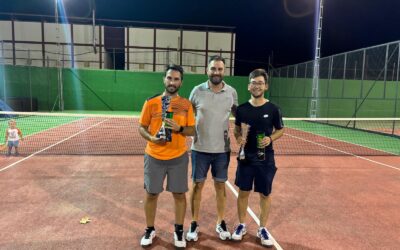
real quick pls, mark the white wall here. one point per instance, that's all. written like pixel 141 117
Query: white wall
pixel 28 54
pixel 28 31
pixel 5 30
pixel 54 34
pixel 84 55
pixel 141 37
pixel 219 41
pixel 141 42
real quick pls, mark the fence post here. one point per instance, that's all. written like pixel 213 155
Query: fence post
pixel 30 78
pixel 3 69
pixel 385 73
pixel 396 97
pixel 344 73
pixel 362 74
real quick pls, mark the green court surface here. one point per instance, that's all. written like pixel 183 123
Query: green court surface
pixel 358 137
pixel 30 125
pixel 102 112
pixel 33 124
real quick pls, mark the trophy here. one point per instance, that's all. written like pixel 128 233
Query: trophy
pixel 165 132
pixel 245 130
pixel 260 149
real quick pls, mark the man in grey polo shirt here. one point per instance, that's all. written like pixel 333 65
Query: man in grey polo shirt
pixel 213 102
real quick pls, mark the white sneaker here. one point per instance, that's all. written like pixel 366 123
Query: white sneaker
pixel 265 237
pixel 193 233
pixel 240 230
pixel 179 239
pixel 148 237
pixel 222 230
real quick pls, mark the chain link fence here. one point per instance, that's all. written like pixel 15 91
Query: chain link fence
pixel 360 83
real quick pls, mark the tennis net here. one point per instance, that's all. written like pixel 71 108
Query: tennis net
pixel 92 134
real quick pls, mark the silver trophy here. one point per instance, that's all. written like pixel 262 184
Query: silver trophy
pixel 165 133
pixel 245 130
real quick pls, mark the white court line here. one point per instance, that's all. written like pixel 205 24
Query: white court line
pixel 255 218
pixel 335 139
pixel 344 152
pixel 55 144
pixel 253 215
pixel 57 126
pixel 42 131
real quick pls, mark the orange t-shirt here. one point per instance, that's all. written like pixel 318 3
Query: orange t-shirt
pixel 151 117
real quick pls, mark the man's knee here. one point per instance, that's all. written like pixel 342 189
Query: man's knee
pixel 179 196
pixel 264 197
pixel 198 186
pixel 151 196
pixel 220 186
pixel 243 194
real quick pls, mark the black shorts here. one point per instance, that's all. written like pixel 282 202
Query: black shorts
pixel 261 173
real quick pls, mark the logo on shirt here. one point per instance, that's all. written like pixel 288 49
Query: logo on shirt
pixel 265 116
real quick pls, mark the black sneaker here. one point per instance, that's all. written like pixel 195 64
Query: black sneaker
pixel 148 237
pixel 222 231
pixel 193 233
pixel 179 239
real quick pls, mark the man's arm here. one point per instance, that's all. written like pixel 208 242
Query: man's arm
pixel 192 100
pixel 188 131
pixel 276 135
pixel 273 137
pixel 233 110
pixel 235 103
pixel 143 131
pixel 237 132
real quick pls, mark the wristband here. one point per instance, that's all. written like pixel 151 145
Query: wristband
pixel 270 138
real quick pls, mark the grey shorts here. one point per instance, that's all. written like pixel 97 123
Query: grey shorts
pixel 176 171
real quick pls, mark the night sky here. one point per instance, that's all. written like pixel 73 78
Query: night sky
pixel 284 28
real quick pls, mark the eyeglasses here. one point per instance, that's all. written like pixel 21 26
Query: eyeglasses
pixel 257 83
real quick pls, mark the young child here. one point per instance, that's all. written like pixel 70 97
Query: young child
pixel 13 135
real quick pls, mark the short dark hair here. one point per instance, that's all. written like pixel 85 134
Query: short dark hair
pixel 174 67
pixel 259 72
pixel 216 58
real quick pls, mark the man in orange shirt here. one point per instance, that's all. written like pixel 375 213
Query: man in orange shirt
pixel 164 158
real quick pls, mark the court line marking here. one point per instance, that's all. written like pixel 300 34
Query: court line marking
pixel 57 126
pixel 54 144
pixel 341 140
pixel 253 215
pixel 47 129
pixel 344 152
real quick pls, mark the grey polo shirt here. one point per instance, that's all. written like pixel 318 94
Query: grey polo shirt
pixel 212 117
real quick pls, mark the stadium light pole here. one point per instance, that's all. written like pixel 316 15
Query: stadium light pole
pixel 318 32
pixel 58 64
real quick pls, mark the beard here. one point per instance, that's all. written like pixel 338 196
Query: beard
pixel 171 89
pixel 215 79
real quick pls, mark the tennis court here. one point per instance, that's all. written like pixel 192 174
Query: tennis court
pixel 336 187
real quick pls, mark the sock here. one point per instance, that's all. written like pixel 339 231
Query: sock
pixel 178 228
